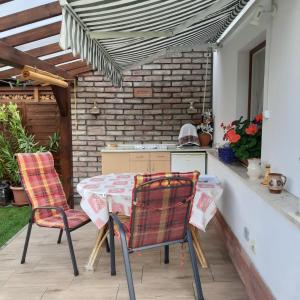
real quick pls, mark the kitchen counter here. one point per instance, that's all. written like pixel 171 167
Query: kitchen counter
pixel 153 148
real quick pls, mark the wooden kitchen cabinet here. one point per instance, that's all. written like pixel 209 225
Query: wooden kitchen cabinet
pixel 160 162
pixel 115 163
pixel 158 166
pixel 136 162
pixel 139 166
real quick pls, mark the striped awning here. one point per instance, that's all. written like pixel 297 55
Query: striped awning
pixel 113 35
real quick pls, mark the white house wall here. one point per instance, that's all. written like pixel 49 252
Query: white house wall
pixel 277 239
pixel 281 136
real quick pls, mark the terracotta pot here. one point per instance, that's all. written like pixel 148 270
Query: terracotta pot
pixel 204 139
pixel 19 196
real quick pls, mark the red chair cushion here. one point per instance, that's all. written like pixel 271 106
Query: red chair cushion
pixel 41 182
pixel 161 207
pixel 75 218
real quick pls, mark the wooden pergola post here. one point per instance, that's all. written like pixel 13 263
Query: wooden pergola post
pixel 63 99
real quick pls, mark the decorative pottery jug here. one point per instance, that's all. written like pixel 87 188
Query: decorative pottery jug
pixel 254 169
pixel 276 183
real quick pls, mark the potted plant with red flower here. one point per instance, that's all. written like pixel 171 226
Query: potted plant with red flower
pixel 244 138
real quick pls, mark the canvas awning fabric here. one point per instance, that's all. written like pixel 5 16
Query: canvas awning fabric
pixel 187 23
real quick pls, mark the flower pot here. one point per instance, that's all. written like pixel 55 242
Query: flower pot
pixel 254 168
pixel 20 198
pixel 204 139
pixel 226 154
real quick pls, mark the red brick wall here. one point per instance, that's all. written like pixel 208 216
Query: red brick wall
pixel 124 117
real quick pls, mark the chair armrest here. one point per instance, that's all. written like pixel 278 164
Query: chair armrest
pixel 120 225
pixel 60 209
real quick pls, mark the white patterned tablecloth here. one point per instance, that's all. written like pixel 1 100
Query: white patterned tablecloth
pixel 113 193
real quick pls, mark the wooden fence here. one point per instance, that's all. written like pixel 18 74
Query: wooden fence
pixel 40 115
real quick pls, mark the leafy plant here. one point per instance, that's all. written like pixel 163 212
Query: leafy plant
pixel 15 139
pixel 244 137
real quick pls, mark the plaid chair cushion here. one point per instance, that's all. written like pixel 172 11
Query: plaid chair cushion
pixel 43 188
pixel 41 182
pixel 75 218
pixel 160 209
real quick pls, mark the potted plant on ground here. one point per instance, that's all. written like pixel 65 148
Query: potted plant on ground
pixel 15 139
pixel 244 138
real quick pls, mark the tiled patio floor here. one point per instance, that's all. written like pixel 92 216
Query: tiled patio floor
pixel 48 275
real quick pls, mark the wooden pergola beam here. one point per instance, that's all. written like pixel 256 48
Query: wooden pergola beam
pixel 18 59
pixel 30 16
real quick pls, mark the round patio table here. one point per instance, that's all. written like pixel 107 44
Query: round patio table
pixel 113 193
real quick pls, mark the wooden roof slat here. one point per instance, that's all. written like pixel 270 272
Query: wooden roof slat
pixel 30 16
pixel 4 1
pixel 77 71
pixel 9 73
pixel 41 51
pixel 53 61
pixel 18 59
pixel 32 34
pixel 73 65
pixel 45 50
pixel 61 59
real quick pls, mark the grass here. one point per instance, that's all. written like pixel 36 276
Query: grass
pixel 12 220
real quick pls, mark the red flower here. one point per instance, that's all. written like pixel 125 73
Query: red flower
pixel 251 129
pixel 232 136
pixel 258 118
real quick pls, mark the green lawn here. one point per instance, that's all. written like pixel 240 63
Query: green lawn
pixel 12 219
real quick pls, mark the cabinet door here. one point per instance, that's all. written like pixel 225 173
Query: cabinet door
pixel 188 162
pixel 158 166
pixel 140 166
pixel 115 163
pixel 160 156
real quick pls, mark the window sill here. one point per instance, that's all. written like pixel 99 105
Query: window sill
pixel 285 203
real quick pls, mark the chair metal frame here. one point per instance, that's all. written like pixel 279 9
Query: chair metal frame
pixel 66 228
pixel 126 250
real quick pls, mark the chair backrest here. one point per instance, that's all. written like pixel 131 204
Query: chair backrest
pixel 161 208
pixel 41 182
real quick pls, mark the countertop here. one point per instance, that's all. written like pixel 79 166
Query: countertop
pixel 153 148
pixel 285 203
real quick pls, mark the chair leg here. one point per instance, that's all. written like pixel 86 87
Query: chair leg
pixel 112 247
pixel 107 245
pixel 166 254
pixel 127 268
pixel 26 241
pixel 194 266
pixel 72 252
pixel 59 236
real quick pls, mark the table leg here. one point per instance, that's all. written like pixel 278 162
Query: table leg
pixel 93 259
pixel 197 246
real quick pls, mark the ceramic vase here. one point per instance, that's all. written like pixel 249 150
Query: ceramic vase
pixel 254 168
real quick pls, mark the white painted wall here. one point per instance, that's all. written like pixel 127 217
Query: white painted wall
pixel 281 136
pixel 278 240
